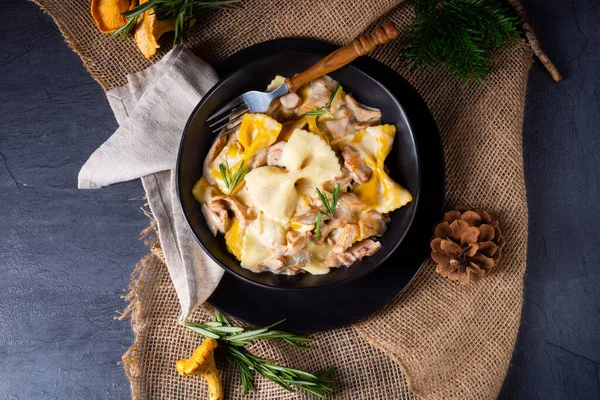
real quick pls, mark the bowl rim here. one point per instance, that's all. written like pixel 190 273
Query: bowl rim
pixel 362 273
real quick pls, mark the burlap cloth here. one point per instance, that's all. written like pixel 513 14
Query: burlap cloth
pixel 439 340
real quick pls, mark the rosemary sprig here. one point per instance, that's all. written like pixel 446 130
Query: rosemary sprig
pixel 182 10
pixel 232 181
pixel 234 338
pixel 330 206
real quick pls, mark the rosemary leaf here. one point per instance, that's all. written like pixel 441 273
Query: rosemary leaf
pixel 204 332
pixel 125 30
pixel 245 376
pixel 227 329
pixel 337 88
pixel 330 207
pixel 334 199
pixel 318 111
pixel 228 172
pixel 247 335
pixel 318 225
pixel 223 174
pixel 221 318
pixel 140 9
pixel 324 201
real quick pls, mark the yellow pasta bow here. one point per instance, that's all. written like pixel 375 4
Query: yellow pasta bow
pixel 257 132
pixel 305 156
pixel 380 192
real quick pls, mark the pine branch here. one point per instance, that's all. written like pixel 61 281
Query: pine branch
pixel 460 35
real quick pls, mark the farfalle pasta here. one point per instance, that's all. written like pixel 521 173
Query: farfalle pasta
pixel 302 188
pixel 305 157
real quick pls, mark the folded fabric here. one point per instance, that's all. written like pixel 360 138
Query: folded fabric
pixel 152 110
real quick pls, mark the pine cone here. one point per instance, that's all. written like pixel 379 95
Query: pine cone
pixel 467 244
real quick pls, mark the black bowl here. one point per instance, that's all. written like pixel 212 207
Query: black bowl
pixel 403 163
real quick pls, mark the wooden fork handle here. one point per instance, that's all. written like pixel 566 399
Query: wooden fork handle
pixel 344 55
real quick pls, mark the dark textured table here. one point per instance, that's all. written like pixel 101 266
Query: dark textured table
pixel 66 255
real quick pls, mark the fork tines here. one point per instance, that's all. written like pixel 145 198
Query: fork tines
pixel 225 120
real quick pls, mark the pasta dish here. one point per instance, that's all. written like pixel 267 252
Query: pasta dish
pixel 304 187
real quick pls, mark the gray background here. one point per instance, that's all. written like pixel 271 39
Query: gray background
pixel 66 255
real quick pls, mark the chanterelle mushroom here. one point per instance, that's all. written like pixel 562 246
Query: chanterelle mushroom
pixel 338 128
pixel 316 94
pixel 107 13
pixel 202 362
pixel 149 30
pixel 361 113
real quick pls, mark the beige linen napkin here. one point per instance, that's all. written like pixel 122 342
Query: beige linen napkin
pixel 152 110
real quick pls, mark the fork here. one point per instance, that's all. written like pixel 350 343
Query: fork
pixel 227 118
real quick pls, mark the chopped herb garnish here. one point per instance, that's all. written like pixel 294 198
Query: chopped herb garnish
pixel 232 181
pixel 330 206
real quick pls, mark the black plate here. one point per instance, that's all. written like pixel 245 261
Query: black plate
pixel 402 162
pixel 333 306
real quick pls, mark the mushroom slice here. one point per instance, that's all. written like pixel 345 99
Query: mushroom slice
pixel 214 151
pixel 216 219
pixel 342 238
pixel 349 207
pixel 355 253
pixel 362 113
pixel 326 229
pixel 373 223
pixel 359 171
pixel 275 264
pixel 338 128
pixel 275 154
pixel 259 159
pixel 107 13
pixel 296 241
pixel 290 101
pixel 240 211
pixel 364 248
pixel 317 94
pixel 149 30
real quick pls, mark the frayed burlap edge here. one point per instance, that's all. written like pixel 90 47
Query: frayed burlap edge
pixel 133 311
